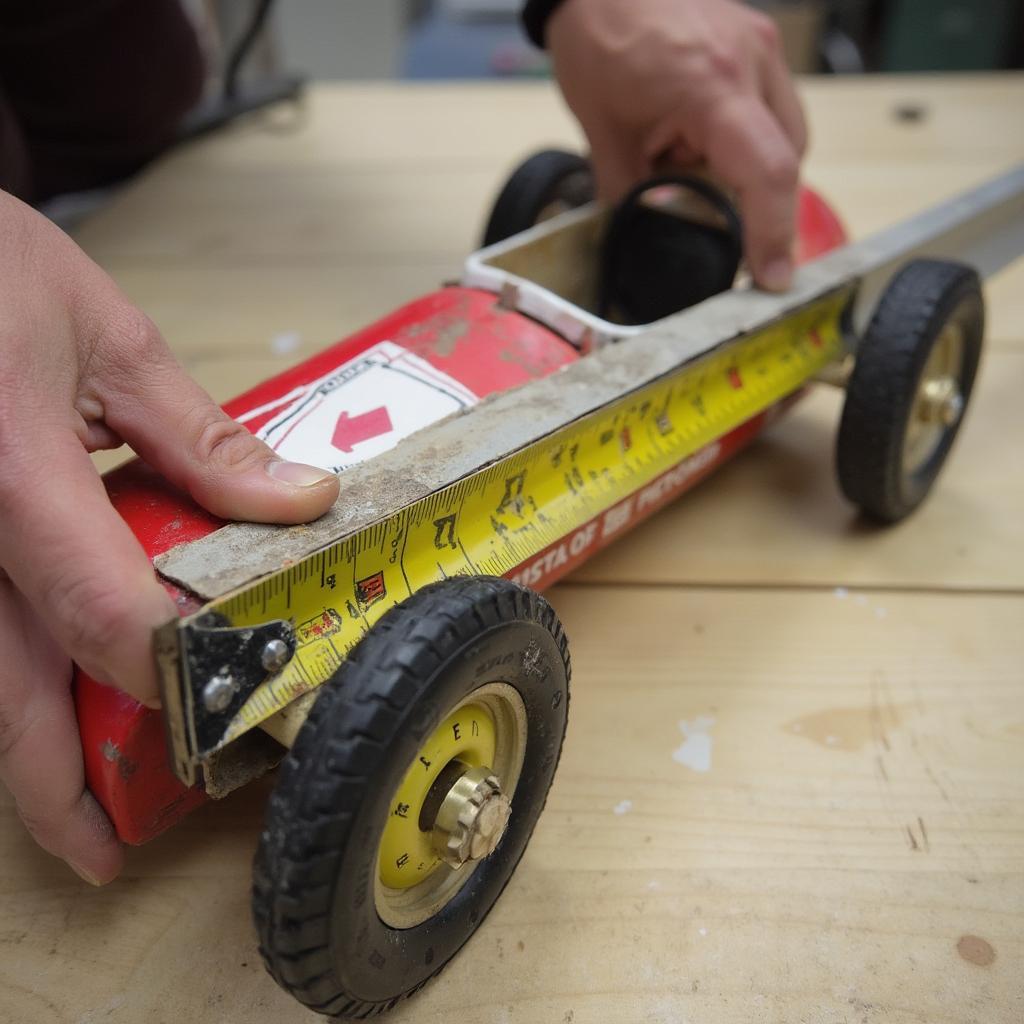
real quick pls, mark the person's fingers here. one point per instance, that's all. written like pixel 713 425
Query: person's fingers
pixel 780 94
pixel 748 149
pixel 617 161
pixel 40 752
pixel 77 563
pixel 151 402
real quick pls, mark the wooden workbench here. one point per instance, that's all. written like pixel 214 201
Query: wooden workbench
pixel 793 788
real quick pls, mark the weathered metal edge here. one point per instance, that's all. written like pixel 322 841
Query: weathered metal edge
pixel 983 227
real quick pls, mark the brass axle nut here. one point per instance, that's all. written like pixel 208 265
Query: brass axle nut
pixel 940 401
pixel 472 818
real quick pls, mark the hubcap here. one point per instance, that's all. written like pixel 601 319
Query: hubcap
pixel 938 403
pixel 452 807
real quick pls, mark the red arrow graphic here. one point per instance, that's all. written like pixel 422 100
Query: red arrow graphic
pixel 351 431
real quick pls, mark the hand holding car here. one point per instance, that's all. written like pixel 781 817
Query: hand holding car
pixel 80 370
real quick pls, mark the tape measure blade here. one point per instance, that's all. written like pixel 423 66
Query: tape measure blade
pixel 502 516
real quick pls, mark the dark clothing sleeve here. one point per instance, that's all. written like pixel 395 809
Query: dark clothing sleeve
pixel 90 90
pixel 535 18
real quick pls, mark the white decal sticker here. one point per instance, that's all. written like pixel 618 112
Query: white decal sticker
pixel 361 409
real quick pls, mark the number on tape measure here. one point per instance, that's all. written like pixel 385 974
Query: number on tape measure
pixel 498 519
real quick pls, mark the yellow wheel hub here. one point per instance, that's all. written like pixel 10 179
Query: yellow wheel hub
pixel 408 854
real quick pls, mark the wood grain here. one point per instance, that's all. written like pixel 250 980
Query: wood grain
pixel 779 801
pixel 860 814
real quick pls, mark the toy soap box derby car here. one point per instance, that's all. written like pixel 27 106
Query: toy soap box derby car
pixel 407 796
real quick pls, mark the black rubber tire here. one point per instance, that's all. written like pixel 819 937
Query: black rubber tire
pixel 313 881
pixel 921 299
pixel 542 179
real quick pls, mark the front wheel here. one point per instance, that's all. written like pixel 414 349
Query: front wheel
pixel 410 794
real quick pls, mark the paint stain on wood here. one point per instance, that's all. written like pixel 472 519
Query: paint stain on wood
pixel 849 729
pixel 975 950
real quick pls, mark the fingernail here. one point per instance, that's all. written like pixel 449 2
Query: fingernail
pixel 298 474
pixel 776 275
pixel 84 874
pixel 153 703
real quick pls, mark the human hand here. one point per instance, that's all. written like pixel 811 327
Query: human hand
pixel 81 369
pixel 688 81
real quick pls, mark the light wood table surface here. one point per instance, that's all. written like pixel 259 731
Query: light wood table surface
pixel 793 788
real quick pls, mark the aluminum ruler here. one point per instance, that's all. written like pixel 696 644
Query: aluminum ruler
pixel 485 491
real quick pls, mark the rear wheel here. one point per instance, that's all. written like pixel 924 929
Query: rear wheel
pixel 410 793
pixel 910 386
pixel 546 184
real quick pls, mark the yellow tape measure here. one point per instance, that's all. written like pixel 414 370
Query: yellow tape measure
pixel 500 517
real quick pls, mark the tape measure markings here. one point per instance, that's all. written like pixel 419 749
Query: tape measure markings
pixel 502 516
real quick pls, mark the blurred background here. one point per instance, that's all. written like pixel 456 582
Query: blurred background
pixel 437 39
pixel 258 52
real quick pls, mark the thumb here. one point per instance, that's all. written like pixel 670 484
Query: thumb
pixel 180 431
